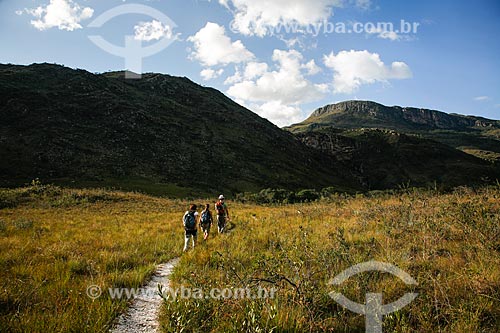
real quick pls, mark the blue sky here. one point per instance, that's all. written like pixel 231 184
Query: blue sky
pixel 449 63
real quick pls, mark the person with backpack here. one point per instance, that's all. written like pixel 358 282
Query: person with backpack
pixel 189 221
pixel 206 221
pixel 222 214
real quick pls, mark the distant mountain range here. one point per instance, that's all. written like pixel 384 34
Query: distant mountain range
pixel 168 135
pixel 475 135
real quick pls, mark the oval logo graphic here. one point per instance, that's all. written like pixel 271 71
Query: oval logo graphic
pixel 133 52
pixel 373 309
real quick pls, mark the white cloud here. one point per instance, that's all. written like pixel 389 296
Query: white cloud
pixel 312 68
pixel 384 34
pixel 277 113
pixel 277 94
pixel 213 47
pixel 481 98
pixel 287 84
pixel 363 4
pixel 255 69
pixel 236 77
pixel 63 14
pixel 355 68
pixel 154 30
pixel 256 17
pixel 209 74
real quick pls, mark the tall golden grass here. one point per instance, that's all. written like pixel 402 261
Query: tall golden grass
pixel 449 243
pixel 55 242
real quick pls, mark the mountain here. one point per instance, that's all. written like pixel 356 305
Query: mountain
pixel 168 135
pixel 474 135
pixel 388 146
pixel 381 159
pixel 159 132
pixel 355 114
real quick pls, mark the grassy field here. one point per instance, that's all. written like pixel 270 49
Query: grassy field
pixel 55 242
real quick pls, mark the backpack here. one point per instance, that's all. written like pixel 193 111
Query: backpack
pixel 205 217
pixel 189 221
pixel 219 206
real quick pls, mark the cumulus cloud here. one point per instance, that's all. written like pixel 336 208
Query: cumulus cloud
pixel 154 30
pixel 213 47
pixel 63 14
pixel 278 113
pixel 209 74
pixel 277 94
pixel 236 77
pixel 312 68
pixel 287 84
pixel 258 17
pixel 384 34
pixel 355 68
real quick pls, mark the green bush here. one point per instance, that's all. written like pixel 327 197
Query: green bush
pixel 307 196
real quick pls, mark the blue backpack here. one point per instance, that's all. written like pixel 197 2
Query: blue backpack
pixel 189 221
pixel 205 217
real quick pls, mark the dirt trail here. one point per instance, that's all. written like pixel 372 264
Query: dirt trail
pixel 142 314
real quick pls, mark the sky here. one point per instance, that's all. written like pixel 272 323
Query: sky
pixel 279 58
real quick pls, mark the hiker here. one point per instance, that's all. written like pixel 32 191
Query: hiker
pixel 206 221
pixel 189 221
pixel 222 214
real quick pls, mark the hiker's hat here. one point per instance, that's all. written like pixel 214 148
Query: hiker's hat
pixel 221 197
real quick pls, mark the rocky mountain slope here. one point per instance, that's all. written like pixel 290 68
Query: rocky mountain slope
pixel 474 135
pixel 65 125
pixel 373 114
pixel 383 159
pixel 389 146
pixel 169 135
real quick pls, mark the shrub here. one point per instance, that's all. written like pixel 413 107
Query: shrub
pixel 307 195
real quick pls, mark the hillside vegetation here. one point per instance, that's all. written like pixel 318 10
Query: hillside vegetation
pixel 381 159
pixel 159 134
pixel 55 242
pixel 476 135
pixel 167 135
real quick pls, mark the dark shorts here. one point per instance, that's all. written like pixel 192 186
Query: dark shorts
pixel 190 233
pixel 206 227
pixel 221 220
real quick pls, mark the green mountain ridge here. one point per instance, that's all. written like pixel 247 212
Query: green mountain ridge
pixel 383 159
pixel 475 135
pixel 345 115
pixel 60 124
pixel 168 135
pixel 388 146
